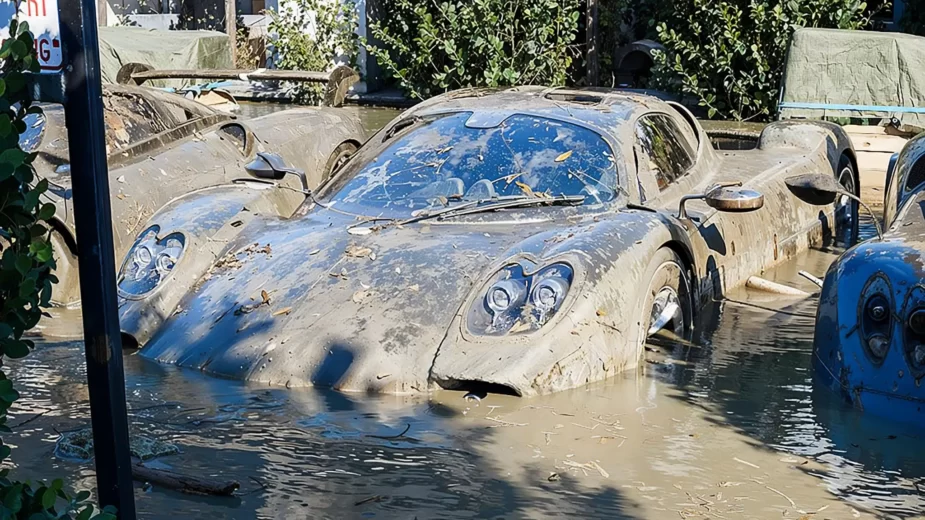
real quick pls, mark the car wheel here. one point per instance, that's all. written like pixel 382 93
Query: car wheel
pixel 846 208
pixel 668 304
pixel 337 159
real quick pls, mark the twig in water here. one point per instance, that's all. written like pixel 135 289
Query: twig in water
pixel 29 420
pixel 740 461
pixel 504 423
pixel 792 504
pixel 374 498
pixel 263 487
pixel 390 437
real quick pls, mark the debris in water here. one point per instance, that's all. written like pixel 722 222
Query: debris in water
pixel 473 397
pixel 553 477
pixel 79 445
pixel 281 312
pixel 564 156
pixel 357 251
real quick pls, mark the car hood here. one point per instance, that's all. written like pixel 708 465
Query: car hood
pixel 306 302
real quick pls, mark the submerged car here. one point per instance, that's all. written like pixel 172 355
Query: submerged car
pixel 869 343
pixel 162 146
pixel 527 240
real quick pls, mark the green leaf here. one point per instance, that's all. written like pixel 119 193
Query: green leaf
pixel 13 498
pixel 4 452
pixel 85 513
pixel 49 498
pixel 2 87
pixel 47 211
pixel 82 495
pixel 15 349
pixel 23 264
pixel 13 157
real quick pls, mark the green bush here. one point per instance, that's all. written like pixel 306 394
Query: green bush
pixel 311 35
pixel 730 54
pixel 913 20
pixel 433 47
pixel 26 281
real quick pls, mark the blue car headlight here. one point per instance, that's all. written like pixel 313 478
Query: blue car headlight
pixel 516 301
pixel 875 318
pixel 150 261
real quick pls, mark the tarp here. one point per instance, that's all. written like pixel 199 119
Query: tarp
pixel 162 50
pixel 832 73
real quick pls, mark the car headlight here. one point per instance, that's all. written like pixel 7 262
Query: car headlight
pixel 875 318
pixel 914 331
pixel 515 302
pixel 150 261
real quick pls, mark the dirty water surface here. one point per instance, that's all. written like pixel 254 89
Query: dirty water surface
pixel 730 426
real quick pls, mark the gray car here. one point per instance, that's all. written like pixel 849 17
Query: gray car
pixel 162 146
pixel 527 240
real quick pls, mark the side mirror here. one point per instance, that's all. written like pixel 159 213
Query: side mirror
pixel 271 166
pixel 820 189
pixel 729 197
pixel 734 200
pixel 817 189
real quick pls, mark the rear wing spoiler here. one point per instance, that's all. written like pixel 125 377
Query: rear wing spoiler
pixel 337 81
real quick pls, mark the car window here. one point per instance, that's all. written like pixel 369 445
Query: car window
pixel 665 150
pixel 129 119
pixel 444 158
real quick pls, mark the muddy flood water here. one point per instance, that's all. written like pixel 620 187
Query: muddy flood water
pixel 732 427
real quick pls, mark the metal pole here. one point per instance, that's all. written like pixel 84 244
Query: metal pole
pixel 83 111
pixel 232 29
pixel 592 28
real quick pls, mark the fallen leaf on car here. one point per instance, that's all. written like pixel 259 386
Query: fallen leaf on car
pixel 359 296
pixel 526 189
pixel 601 312
pixel 285 311
pixel 564 156
pixel 357 251
pixel 266 297
pixel 315 252
pixel 121 179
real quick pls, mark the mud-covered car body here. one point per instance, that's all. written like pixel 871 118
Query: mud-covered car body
pixel 162 146
pixel 869 343
pixel 379 283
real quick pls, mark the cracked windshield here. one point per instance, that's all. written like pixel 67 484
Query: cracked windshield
pixel 457 157
pixel 500 259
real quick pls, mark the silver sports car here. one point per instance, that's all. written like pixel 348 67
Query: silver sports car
pixel 527 240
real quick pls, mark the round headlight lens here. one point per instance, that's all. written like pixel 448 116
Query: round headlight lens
pixel 878 308
pixel 549 293
pixel 503 295
pixel 917 321
pixel 143 256
pixel 165 263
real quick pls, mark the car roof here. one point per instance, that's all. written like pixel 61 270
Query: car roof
pixel 603 110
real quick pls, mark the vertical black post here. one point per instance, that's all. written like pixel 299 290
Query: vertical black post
pixel 592 37
pixel 83 111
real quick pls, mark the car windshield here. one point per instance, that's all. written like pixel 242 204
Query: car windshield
pixel 442 159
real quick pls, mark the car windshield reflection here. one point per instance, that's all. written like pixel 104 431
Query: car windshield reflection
pixel 440 160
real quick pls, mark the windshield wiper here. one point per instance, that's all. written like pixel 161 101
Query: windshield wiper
pixel 493 204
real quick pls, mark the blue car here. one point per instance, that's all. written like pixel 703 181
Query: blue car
pixel 869 342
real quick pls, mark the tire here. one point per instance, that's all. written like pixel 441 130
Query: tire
pixel 338 157
pixel 846 209
pixel 667 276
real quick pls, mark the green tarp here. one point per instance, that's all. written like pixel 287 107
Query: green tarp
pixel 858 68
pixel 162 50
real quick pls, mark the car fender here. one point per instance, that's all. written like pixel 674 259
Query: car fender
pixel 208 219
pixel 593 337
